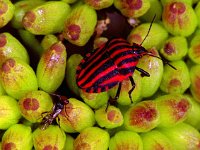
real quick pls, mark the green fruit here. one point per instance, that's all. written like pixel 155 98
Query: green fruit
pixel 99 4
pixel 173 109
pixel 126 140
pixel 175 81
pixel 154 140
pixel 10 47
pixel 194 49
pixel 182 136
pixel 197 11
pixel 33 104
pixel 41 21
pixel 195 80
pixel 142 117
pixel 72 63
pixel 95 100
pixel 78 28
pixel 48 41
pixel 179 18
pixel 193 115
pixel 10 112
pixel 92 138
pixel 7 12
pixel 51 68
pixel 109 118
pixel 2 91
pixel 132 8
pixel 175 48
pixel 154 67
pixel 51 138
pixel 17 78
pixel 156 37
pixel 69 143
pixel 124 98
pixel 155 9
pixel 21 7
pixel 76 116
pixel 16 137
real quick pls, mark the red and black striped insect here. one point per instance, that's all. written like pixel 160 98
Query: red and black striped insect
pixel 109 65
pixel 50 116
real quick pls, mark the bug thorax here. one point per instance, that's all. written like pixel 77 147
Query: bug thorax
pixel 139 51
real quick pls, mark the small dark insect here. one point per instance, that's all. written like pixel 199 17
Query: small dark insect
pixel 57 108
pixel 109 65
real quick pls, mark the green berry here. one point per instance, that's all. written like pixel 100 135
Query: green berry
pixel 16 137
pixel 175 48
pixel 21 7
pixel 51 68
pixel 10 112
pixel 47 18
pixel 17 77
pixel 92 138
pixel 76 116
pixel 195 80
pixel 155 140
pixel 154 67
pixel 182 136
pixel 72 62
pixel 142 117
pixel 94 100
pixel 175 81
pixel 109 118
pixel 173 109
pixel 179 18
pixel 156 37
pixel 7 12
pixel 10 47
pixel 2 91
pixel 78 28
pixel 69 143
pixel 132 8
pixel 194 49
pixel 48 40
pixel 126 140
pixel 51 138
pixel 33 104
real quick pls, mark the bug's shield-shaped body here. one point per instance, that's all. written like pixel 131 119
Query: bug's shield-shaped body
pixel 107 66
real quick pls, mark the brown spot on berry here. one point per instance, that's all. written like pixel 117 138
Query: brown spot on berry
pixel 179 108
pixel 142 114
pixel 31 104
pixel 7 65
pixel 158 146
pixel 28 19
pixel 169 48
pixel 58 47
pixel 3 40
pixel 134 4
pixel 177 8
pixel 197 86
pixel 50 147
pixel 9 146
pixel 73 31
pixel 111 115
pixel 3 7
pixel 174 83
pixel 136 38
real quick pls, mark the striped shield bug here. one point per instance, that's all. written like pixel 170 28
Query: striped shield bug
pixel 56 110
pixel 110 64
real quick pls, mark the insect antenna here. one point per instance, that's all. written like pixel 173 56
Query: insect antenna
pixel 164 60
pixel 149 29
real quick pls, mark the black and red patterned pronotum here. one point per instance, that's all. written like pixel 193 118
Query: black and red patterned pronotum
pixel 109 65
pixel 56 110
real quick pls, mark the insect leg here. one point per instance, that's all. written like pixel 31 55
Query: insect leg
pixel 143 73
pixel 133 87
